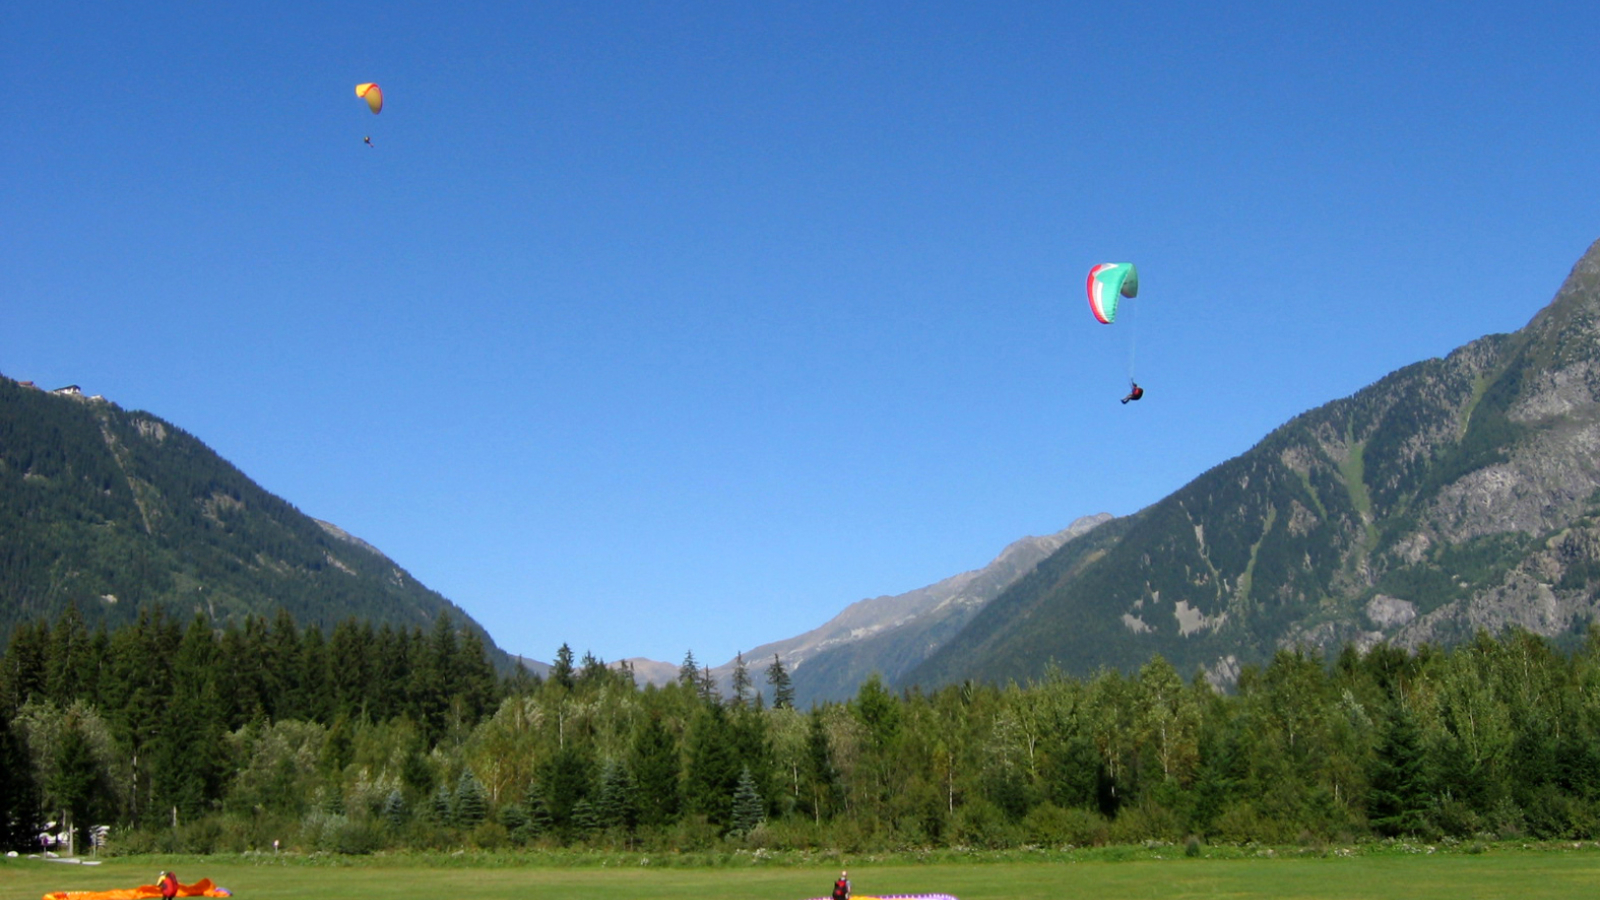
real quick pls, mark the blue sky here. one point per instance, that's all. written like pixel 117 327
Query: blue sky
pixel 658 327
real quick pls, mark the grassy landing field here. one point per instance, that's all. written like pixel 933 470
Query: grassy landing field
pixel 1514 875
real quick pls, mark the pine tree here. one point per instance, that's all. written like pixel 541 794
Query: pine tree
pixel 819 775
pixel 283 669
pixel 782 687
pixel 593 670
pixel 655 769
pixel 566 778
pixel 19 801
pixel 76 785
pixel 749 809
pixel 479 686
pixel 539 818
pixel 689 671
pixel 430 693
pixel 189 762
pixel 439 806
pixel 707 687
pixel 617 805
pixel 69 660
pixel 471 804
pixel 741 680
pixel 1397 799
pixel 562 671
pixel 584 818
pixel 713 769
pixel 395 811
pixel 23 668
pixel 350 675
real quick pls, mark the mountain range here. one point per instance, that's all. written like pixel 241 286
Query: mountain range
pixel 1454 495
pixel 112 510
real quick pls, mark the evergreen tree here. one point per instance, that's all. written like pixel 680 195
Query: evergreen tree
pixel 713 768
pixel 706 687
pixel 514 818
pixel 741 680
pixel 316 696
pixel 479 687
pixel 69 661
pixel 566 779
pixel 617 805
pixel 284 669
pixel 749 809
pixel 689 671
pixel 782 687
pixel 189 761
pixel 439 806
pixel 350 674
pixel 593 670
pixel 471 803
pixel 395 812
pixel 19 801
pixel 140 697
pixel 539 818
pixel 520 681
pixel 655 768
pixel 236 707
pixel 1397 799
pixel 585 820
pixel 23 675
pixel 393 696
pixel 562 671
pixel 820 791
pixel 431 688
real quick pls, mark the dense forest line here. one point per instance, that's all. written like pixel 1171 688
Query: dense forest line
pixel 190 738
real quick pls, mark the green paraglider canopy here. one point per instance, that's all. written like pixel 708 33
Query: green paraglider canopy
pixel 1108 284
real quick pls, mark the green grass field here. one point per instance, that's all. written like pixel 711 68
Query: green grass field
pixel 1525 875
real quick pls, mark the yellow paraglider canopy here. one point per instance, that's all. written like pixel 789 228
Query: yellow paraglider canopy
pixel 372 94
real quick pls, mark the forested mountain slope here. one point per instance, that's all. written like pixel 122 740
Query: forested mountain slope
pixel 114 510
pixel 1453 495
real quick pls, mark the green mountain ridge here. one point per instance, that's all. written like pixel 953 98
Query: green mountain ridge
pixel 1453 495
pixel 112 510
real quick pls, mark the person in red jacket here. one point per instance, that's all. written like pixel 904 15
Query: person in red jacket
pixel 841 888
pixel 168 885
pixel 1134 394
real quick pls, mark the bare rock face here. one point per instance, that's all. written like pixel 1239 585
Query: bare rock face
pixel 1386 612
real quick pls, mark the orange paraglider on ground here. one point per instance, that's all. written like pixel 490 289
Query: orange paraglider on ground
pixel 205 887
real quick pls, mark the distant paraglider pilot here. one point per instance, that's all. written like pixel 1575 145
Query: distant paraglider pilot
pixel 1134 394
pixel 841 888
pixel 169 885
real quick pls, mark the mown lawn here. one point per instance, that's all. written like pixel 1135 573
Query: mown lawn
pixel 1496 875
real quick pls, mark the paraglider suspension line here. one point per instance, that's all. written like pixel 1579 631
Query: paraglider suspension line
pixel 1133 338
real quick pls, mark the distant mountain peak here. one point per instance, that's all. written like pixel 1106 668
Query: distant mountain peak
pixel 888 634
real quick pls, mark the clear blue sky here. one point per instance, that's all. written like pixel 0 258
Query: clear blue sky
pixel 656 327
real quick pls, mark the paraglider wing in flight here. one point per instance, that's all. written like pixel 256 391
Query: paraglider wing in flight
pixel 372 94
pixel 1108 284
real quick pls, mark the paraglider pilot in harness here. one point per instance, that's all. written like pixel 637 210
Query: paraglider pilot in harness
pixel 1134 394
pixel 841 888
pixel 169 885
